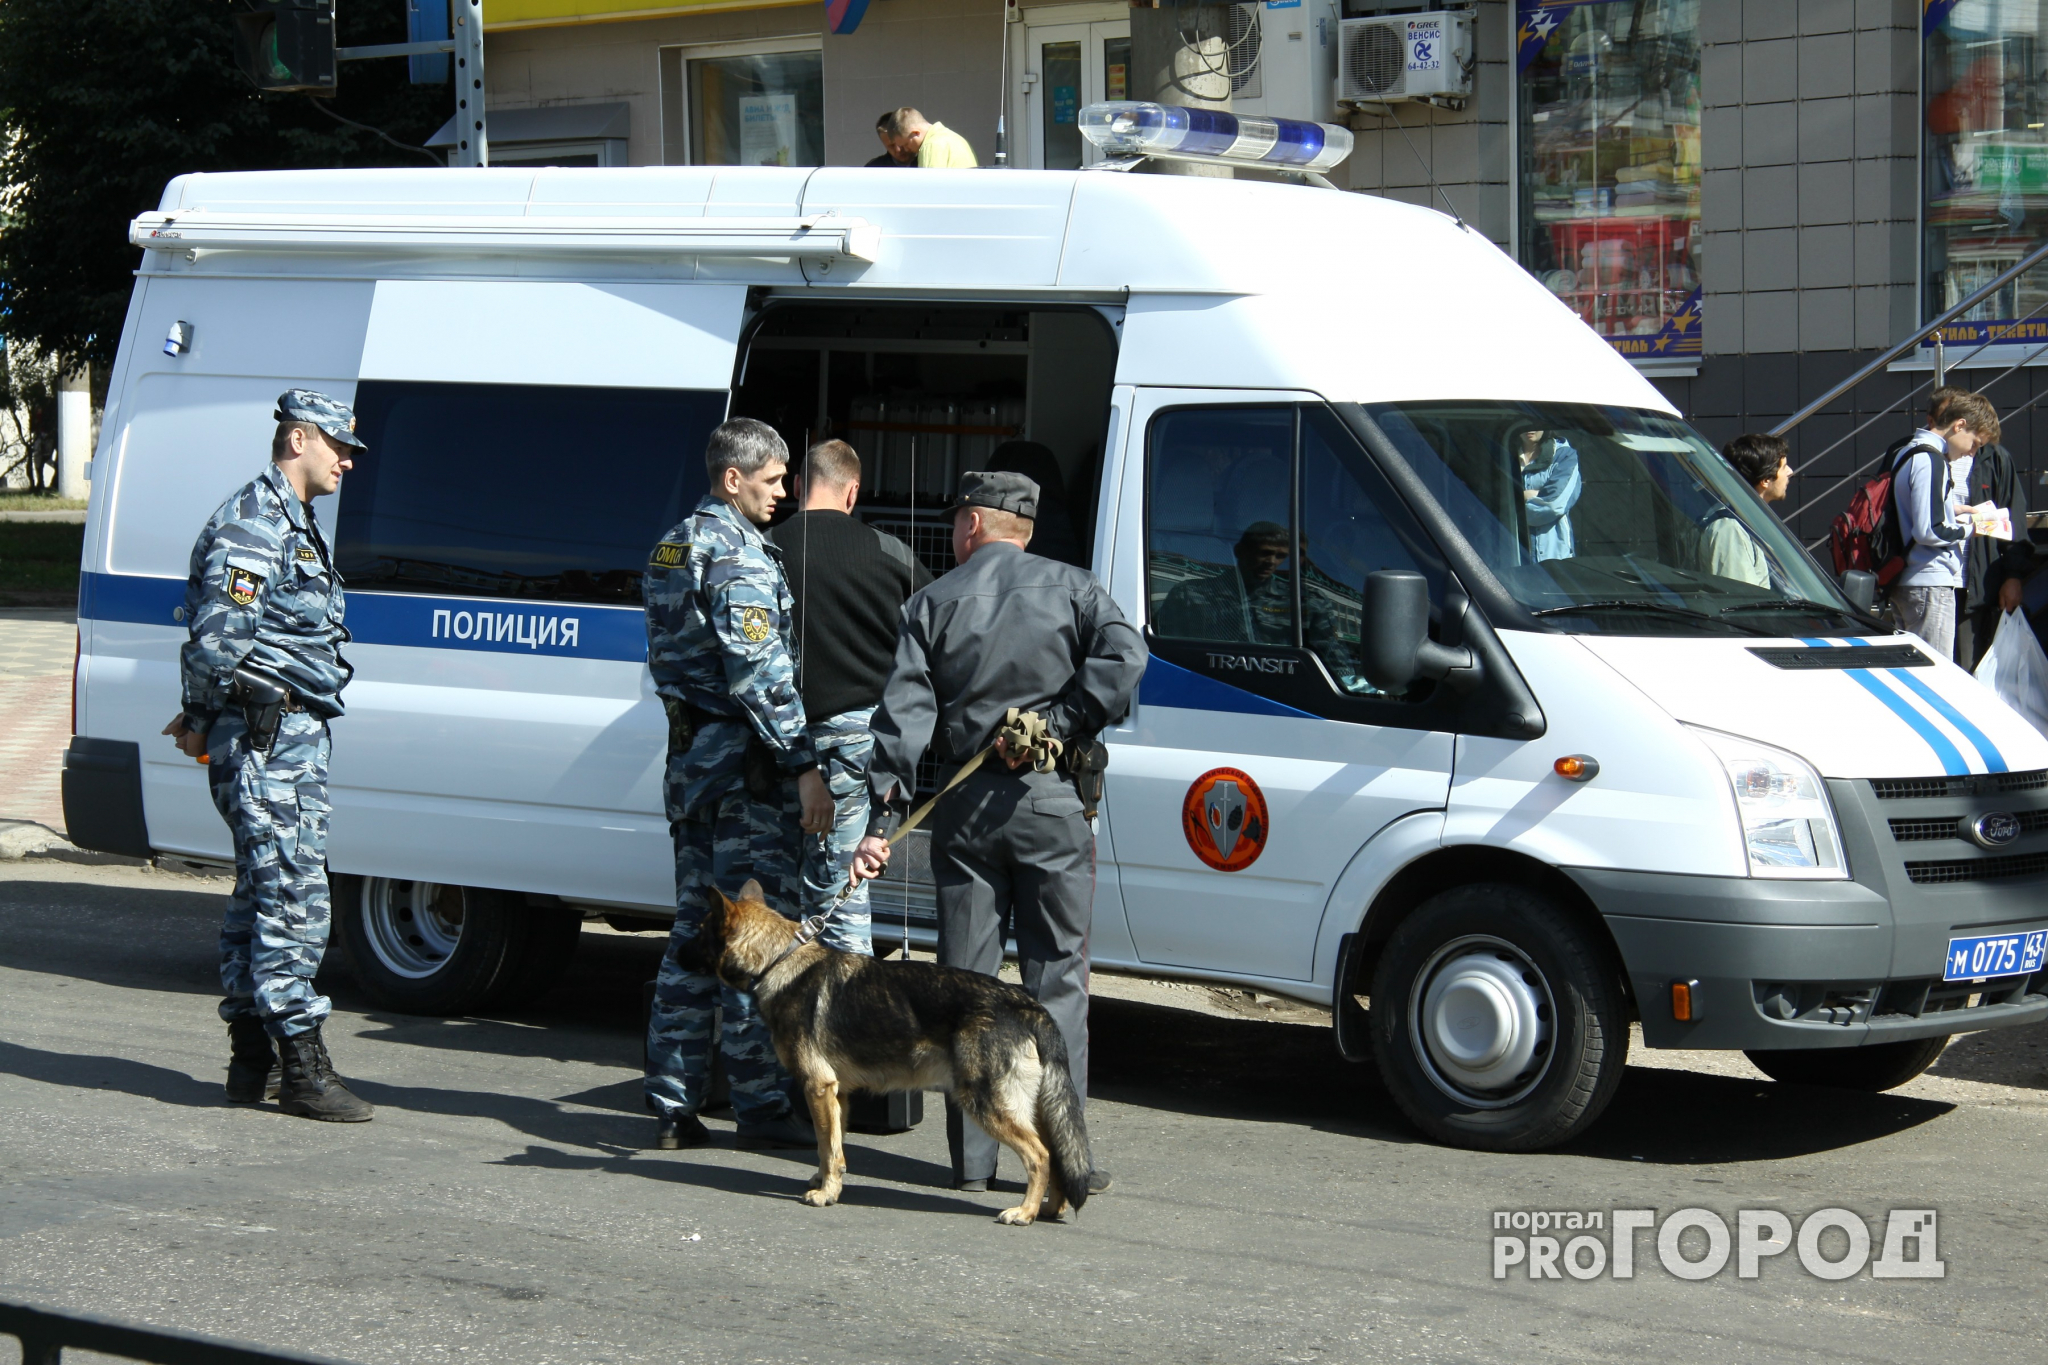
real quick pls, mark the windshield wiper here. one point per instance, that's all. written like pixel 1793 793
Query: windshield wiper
pixel 1789 604
pixel 1656 608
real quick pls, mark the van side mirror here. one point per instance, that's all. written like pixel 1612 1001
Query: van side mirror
pixel 1860 587
pixel 1397 649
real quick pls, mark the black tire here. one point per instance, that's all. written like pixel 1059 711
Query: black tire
pixel 425 948
pixel 1880 1066
pixel 1561 991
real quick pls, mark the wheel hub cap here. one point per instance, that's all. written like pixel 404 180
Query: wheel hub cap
pixel 1483 1022
pixel 413 926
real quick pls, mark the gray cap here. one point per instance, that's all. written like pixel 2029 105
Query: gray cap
pixel 331 415
pixel 1003 491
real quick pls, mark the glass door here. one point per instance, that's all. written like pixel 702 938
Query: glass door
pixel 1066 67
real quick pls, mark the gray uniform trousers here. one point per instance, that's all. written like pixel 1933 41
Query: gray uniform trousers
pixel 1012 855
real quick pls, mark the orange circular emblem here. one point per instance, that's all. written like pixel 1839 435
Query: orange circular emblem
pixel 1224 819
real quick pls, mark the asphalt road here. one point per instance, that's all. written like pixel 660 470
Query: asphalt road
pixel 1270 1206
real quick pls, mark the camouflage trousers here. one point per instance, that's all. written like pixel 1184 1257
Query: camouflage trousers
pixel 844 745
pixel 276 927
pixel 723 845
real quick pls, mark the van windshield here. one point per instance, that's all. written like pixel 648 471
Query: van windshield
pixel 1614 521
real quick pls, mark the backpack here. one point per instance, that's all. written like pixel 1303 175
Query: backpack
pixel 1868 534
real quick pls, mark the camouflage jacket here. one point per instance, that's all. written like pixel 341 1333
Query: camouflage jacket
pixel 263 591
pixel 718 640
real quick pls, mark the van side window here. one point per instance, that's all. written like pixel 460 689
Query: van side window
pixel 1221 565
pixel 1351 526
pixel 519 491
pixel 1263 525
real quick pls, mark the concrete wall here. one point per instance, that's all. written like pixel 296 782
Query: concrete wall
pixel 1809 141
pixel 940 55
pixel 1468 151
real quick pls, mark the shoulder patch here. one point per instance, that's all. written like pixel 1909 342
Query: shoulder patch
pixel 754 623
pixel 670 554
pixel 308 555
pixel 243 586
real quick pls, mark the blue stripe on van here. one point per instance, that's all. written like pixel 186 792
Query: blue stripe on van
pixel 410 619
pixel 1951 758
pixel 1168 684
pixel 1994 761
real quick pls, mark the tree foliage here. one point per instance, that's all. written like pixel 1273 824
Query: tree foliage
pixel 104 101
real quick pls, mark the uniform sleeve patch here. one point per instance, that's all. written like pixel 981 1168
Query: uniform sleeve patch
pixel 670 554
pixel 754 623
pixel 308 555
pixel 243 586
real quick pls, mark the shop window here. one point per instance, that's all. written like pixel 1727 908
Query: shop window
pixel 1609 106
pixel 1986 165
pixel 726 108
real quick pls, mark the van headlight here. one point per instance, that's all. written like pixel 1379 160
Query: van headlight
pixel 1788 827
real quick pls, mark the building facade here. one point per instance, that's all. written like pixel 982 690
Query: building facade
pixel 1749 199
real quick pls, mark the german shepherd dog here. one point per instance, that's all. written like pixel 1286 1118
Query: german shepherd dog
pixel 842 1022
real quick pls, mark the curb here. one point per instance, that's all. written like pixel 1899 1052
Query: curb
pixel 22 838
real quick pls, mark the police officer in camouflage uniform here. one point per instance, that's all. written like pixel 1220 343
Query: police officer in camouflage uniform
pixel 743 787
pixel 263 673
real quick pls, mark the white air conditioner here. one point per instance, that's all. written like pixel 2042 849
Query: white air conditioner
pixel 1405 57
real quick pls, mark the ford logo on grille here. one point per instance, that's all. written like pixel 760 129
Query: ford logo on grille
pixel 1995 829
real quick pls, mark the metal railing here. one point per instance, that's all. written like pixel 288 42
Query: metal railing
pixel 44 1334
pixel 1911 343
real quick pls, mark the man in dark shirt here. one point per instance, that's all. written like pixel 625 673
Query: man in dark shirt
pixel 1012 852
pixel 850 582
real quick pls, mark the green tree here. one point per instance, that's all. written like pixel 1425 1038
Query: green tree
pixel 104 101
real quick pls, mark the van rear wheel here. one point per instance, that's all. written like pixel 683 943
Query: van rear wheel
pixel 1880 1066
pixel 423 947
pixel 1497 1021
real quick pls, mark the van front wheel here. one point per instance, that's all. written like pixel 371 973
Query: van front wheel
pixel 1497 1021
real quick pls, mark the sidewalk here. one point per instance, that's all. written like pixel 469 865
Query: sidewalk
pixel 36 650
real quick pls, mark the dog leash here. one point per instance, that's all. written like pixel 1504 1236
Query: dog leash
pixel 1028 734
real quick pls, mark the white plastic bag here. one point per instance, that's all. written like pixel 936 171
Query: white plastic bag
pixel 2017 670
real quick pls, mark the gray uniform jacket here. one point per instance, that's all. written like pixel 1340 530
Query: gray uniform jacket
pixel 1007 628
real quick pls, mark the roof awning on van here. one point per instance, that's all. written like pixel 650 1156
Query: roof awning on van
pixel 813 237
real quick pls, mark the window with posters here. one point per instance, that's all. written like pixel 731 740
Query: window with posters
pixel 1608 101
pixel 756 109
pixel 1986 164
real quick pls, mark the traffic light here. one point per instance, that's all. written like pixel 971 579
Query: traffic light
pixel 287 44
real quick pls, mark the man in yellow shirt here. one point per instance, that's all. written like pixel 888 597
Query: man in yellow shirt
pixel 907 134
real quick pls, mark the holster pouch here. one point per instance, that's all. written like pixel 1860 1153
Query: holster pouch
pixel 262 699
pixel 763 774
pixel 1086 761
pixel 682 725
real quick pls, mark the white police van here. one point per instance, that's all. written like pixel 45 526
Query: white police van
pixel 1441 714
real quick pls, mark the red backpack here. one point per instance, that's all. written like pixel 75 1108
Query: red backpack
pixel 1868 535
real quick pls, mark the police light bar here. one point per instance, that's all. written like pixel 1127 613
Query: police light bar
pixel 1140 128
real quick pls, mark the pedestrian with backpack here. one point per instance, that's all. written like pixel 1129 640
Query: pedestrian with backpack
pixel 1933 520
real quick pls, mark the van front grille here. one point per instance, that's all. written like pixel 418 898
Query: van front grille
pixel 1979 869
pixel 1908 831
pixel 1969 784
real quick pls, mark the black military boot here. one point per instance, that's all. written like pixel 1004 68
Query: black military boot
pixel 252 1063
pixel 311 1090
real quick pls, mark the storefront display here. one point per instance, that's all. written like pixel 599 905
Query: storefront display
pixel 764 109
pixel 1986 165
pixel 1609 110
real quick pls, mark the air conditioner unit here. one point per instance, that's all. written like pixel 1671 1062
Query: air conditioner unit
pixel 1405 57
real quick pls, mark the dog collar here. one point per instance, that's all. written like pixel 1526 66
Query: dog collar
pixel 806 932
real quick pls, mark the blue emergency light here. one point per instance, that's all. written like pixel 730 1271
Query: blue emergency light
pixel 1140 128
